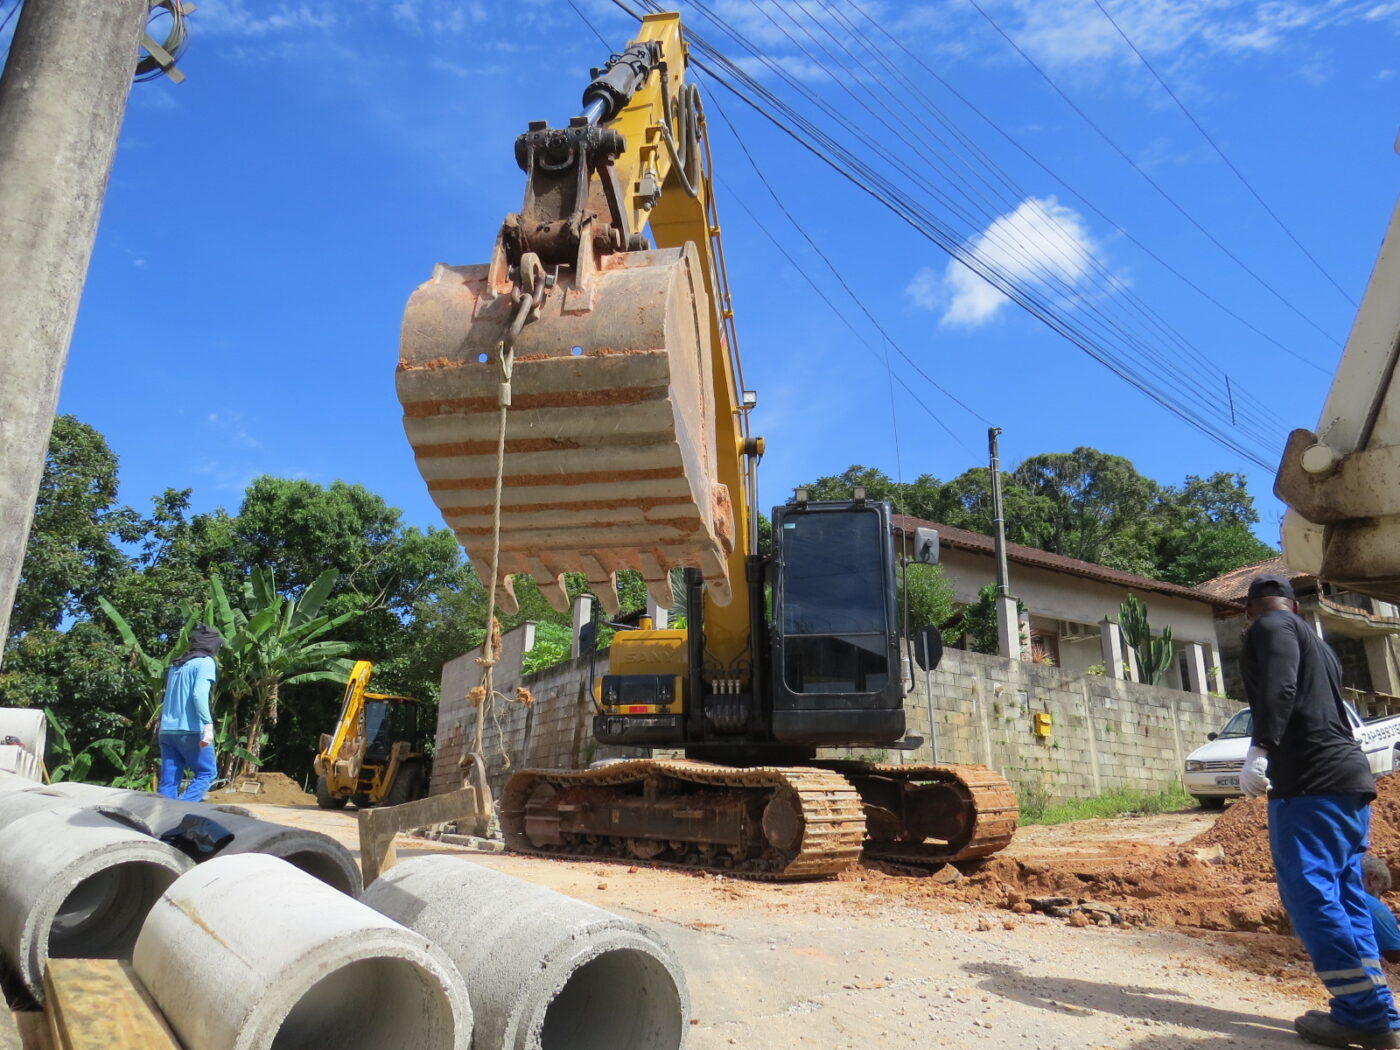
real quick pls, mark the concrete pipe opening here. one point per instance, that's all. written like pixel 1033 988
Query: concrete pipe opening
pixel 102 915
pixel 371 1004
pixel 323 867
pixel 622 999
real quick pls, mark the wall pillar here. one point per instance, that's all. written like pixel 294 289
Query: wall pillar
pixel 660 614
pixel 1112 640
pixel 1380 658
pixel 583 613
pixel 1196 680
pixel 1008 628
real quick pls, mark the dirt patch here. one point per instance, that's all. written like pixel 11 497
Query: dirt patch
pixel 272 789
pixel 1222 879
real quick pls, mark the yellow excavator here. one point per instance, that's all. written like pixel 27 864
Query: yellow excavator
pixel 375 755
pixel 578 404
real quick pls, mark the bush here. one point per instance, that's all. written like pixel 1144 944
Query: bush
pixel 553 644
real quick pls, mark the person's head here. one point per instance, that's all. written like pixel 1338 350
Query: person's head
pixel 206 640
pixel 1376 874
pixel 1268 593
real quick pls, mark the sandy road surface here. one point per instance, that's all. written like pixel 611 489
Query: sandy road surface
pixel 843 964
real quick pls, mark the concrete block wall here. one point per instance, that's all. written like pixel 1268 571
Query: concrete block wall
pixel 1105 734
pixel 555 732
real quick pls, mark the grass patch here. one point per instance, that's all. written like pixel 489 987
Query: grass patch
pixel 1035 807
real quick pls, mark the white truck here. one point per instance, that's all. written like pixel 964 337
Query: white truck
pixel 1213 771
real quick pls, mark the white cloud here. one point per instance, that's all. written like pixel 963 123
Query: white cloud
pixel 1042 243
pixel 233 426
pixel 233 18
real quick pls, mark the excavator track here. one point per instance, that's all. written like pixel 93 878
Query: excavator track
pixel 926 816
pixel 760 823
pixel 766 822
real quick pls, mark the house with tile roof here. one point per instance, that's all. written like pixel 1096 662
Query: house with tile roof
pixel 1072 607
pixel 1364 633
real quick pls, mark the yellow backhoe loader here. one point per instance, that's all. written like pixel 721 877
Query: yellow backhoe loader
pixel 375 756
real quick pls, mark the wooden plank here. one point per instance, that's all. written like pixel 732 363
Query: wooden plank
pixel 378 826
pixel 9 1031
pixel 33 1030
pixel 98 1004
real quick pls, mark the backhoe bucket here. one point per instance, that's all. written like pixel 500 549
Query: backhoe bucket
pixel 609 442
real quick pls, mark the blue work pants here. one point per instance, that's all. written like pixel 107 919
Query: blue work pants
pixel 1317 842
pixel 179 752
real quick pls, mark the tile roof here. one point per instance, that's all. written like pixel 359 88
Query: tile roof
pixel 1231 586
pixel 976 542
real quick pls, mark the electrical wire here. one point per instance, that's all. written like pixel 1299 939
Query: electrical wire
pixel 601 39
pixel 1106 341
pixel 1069 188
pixel 815 140
pixel 1150 180
pixel 14 9
pixel 1228 162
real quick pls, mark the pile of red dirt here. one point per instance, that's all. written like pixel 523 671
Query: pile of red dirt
pixel 270 789
pixel 1223 879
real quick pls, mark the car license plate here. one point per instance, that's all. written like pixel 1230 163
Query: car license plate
pixel 1227 782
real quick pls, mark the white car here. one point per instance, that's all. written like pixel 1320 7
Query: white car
pixel 1213 771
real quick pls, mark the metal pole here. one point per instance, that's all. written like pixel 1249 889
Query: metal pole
pixel 998 521
pixel 928 695
pixel 62 97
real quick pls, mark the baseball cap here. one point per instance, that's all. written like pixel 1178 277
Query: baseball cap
pixel 1270 586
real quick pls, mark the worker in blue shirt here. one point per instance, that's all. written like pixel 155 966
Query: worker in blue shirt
pixel 186 727
pixel 1376 877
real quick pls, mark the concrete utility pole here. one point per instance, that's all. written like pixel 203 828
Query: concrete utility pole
pixel 1008 625
pixel 62 98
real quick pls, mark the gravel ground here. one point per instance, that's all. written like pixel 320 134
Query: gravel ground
pixel 834 965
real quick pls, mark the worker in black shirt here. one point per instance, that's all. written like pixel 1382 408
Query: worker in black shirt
pixel 1305 758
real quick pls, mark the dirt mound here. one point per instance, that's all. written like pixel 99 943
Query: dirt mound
pixel 1222 879
pixel 1242 832
pixel 272 789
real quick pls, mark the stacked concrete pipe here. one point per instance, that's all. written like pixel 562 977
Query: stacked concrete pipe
pixel 545 972
pixel 249 953
pixel 73 883
pixel 316 854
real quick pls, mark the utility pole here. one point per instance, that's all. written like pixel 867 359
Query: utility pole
pixel 62 97
pixel 1008 625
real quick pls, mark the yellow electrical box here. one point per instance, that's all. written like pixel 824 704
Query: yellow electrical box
pixel 1042 723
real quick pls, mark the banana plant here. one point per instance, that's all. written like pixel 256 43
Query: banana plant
pixel 1154 655
pixel 276 641
pixel 68 764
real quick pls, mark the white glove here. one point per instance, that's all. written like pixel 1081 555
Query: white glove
pixel 1254 778
pixel 206 736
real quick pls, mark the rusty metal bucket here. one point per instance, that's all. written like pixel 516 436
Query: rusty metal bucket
pixel 610 437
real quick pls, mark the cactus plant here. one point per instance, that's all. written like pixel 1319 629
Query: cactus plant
pixel 1154 655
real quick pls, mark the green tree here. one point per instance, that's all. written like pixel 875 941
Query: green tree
pixel 73 551
pixel 930 601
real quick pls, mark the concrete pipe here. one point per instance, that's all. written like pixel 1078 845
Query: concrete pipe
pixel 74 884
pixel 249 953
pixel 545 972
pixel 314 853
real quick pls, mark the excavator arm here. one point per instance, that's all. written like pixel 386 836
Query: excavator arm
pixel 1342 481
pixel 589 377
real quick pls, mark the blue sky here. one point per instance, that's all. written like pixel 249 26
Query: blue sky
pixel 267 220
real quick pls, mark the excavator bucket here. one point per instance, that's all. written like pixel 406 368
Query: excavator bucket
pixel 610 433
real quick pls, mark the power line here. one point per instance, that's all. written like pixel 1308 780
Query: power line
pixel 13 9
pixel 1228 162
pixel 601 39
pixel 1149 179
pixel 1209 417
pixel 1082 198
